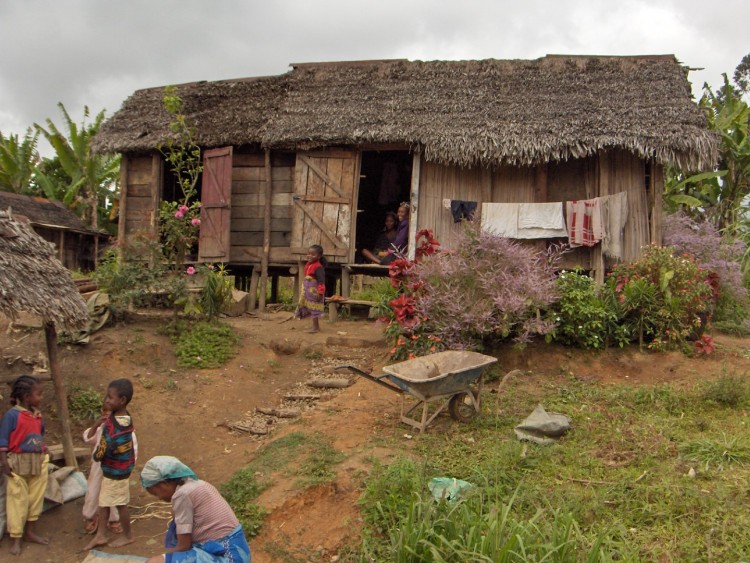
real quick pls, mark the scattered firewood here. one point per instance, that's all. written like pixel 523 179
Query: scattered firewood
pixel 329 383
pixel 301 397
pixel 243 427
pixel 279 413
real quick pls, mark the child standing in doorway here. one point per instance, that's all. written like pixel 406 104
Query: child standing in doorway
pixel 93 436
pixel 312 300
pixel 24 461
pixel 116 454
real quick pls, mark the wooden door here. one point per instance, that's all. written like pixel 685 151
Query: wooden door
pixel 216 198
pixel 322 202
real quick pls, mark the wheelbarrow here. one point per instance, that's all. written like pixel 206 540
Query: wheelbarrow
pixel 451 379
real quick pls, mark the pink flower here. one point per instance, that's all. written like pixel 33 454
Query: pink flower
pixel 184 209
pixel 195 221
pixel 190 271
pixel 179 214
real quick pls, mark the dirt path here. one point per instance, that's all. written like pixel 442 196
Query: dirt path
pixel 183 411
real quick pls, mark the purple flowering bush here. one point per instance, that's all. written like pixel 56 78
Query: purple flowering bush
pixel 488 289
pixel 717 254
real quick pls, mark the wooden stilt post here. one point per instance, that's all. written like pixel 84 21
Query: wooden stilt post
pixel 50 335
pixel 266 234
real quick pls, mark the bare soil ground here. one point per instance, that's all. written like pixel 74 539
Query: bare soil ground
pixel 184 412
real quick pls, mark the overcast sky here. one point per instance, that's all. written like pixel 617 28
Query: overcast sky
pixel 98 52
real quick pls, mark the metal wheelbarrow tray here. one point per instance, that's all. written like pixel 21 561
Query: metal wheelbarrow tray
pixel 452 379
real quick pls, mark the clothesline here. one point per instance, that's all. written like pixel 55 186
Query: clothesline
pixel 584 222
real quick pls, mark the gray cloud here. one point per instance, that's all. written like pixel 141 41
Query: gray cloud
pixel 95 53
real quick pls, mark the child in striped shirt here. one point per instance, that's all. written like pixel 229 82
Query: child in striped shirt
pixel 116 454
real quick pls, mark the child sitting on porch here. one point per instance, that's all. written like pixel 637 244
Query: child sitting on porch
pixel 401 241
pixel 93 436
pixel 312 301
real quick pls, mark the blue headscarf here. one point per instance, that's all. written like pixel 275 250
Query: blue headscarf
pixel 163 467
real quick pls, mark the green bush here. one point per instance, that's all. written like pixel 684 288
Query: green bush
pixel 727 391
pixel 662 299
pixel 134 275
pixel 204 344
pixel 583 317
pixel 240 492
pixel 84 403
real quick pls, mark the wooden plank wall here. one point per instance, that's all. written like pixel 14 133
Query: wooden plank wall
pixel 575 179
pixel 248 200
pixel 624 171
pixel 438 182
pixel 142 188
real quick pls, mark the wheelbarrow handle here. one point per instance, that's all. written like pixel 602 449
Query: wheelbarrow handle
pixel 376 379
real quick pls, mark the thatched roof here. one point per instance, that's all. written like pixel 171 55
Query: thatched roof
pixel 43 212
pixel 487 112
pixel 32 279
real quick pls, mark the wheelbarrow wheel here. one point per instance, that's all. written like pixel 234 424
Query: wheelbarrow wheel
pixel 461 407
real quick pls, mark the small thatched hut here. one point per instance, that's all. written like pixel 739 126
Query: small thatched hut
pixel 33 280
pixel 77 245
pixel 317 155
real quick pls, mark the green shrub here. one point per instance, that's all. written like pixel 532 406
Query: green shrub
pixel 381 293
pixel 240 492
pixel 134 275
pixel 727 391
pixel 663 300
pixel 84 403
pixel 717 453
pixel 205 345
pixel 582 316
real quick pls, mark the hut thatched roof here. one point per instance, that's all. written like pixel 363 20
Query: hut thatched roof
pixel 43 212
pixel 487 112
pixel 32 279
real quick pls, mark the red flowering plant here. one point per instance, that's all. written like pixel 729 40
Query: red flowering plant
pixel 411 332
pixel 704 345
pixel 664 300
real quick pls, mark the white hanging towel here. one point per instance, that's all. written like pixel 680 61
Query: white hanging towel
pixel 500 219
pixel 614 217
pixel 541 220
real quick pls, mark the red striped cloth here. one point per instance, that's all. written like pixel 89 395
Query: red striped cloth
pixel 584 222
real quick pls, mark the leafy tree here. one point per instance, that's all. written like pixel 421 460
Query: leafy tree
pixel 92 178
pixel 179 220
pixel 18 161
pixel 742 75
pixel 718 195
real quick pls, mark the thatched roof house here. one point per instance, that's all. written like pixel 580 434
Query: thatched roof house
pixel 487 112
pixel 32 279
pixel 551 129
pixel 76 244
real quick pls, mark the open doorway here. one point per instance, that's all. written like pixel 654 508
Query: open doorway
pixel 384 182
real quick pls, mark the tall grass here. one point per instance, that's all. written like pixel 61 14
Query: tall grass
pixel 614 488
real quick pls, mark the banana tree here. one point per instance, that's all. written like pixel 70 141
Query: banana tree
pixel 18 160
pixel 92 178
pixel 718 196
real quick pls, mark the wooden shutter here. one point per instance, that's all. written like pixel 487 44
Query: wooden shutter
pixel 216 197
pixel 324 183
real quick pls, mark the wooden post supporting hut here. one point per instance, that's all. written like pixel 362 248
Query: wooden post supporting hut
pixel 32 279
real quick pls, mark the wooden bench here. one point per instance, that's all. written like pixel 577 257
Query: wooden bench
pixel 55 452
pixel 334 304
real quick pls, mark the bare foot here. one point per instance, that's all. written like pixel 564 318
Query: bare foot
pixel 119 542
pixel 96 542
pixel 312 331
pixel 15 547
pixel 31 537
